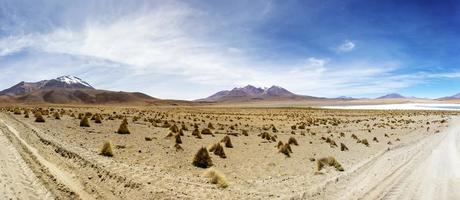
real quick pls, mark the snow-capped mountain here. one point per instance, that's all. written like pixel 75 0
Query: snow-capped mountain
pixel 68 82
pixel 250 92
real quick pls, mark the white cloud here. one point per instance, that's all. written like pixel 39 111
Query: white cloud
pixel 346 46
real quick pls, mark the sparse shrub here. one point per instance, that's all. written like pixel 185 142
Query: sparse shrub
pixel 216 177
pixel 174 128
pixel 343 147
pixel 17 111
pixel 107 149
pixel 206 131
pixel 202 158
pixel 178 147
pixel 84 122
pixel 280 144
pixel 286 150
pixel 354 136
pixel 219 150
pixel 365 142
pixel 39 118
pixel 227 141
pixel 196 133
pixel 210 126
pixel 328 161
pixel 123 129
pixel 245 133
pixel 98 119
pixel 57 116
pixel 375 139
pixel 293 141
pixel 178 139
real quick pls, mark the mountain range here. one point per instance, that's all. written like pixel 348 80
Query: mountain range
pixel 252 93
pixel 73 90
pixel 70 90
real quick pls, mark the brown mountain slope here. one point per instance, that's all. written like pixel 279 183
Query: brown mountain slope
pixel 84 96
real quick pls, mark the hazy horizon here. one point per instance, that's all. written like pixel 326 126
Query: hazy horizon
pixel 192 49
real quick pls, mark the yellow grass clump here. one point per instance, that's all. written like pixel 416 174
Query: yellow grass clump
pixel 97 119
pixel 39 117
pixel 84 122
pixel 57 116
pixel 216 177
pixel 107 149
pixel 328 161
pixel 123 129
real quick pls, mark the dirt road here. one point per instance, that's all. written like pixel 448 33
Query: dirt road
pixel 17 181
pixel 425 169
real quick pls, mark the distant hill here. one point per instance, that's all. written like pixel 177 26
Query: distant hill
pixel 69 82
pixel 73 90
pixel 252 93
pixel 453 97
pixel 392 96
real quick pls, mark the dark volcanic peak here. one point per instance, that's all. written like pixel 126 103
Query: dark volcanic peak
pixel 392 96
pixel 278 91
pixel 250 92
pixel 249 89
pixel 64 82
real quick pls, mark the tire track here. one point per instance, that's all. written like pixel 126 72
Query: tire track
pixel 17 181
pixel 62 176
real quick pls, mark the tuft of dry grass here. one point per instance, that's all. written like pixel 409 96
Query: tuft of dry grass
pixel 57 116
pixel 219 150
pixel 343 147
pixel 174 128
pixel 328 161
pixel 206 131
pixel 97 119
pixel 39 117
pixel 227 141
pixel 202 158
pixel 280 144
pixel 286 150
pixel 216 177
pixel 293 141
pixel 178 139
pixel 365 142
pixel 375 139
pixel 178 147
pixel 123 129
pixel 84 122
pixel 107 149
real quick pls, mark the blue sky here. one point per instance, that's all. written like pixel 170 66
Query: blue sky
pixel 191 49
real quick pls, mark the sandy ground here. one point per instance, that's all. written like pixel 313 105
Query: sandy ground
pixel 402 106
pixel 65 157
pixel 17 181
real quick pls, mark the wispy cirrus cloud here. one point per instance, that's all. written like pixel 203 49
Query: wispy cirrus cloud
pixel 346 46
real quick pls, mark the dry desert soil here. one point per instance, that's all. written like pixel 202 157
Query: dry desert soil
pixel 249 153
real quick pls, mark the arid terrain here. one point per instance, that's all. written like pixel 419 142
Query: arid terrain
pixel 357 151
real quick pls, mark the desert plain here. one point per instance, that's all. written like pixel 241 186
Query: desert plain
pixel 249 152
